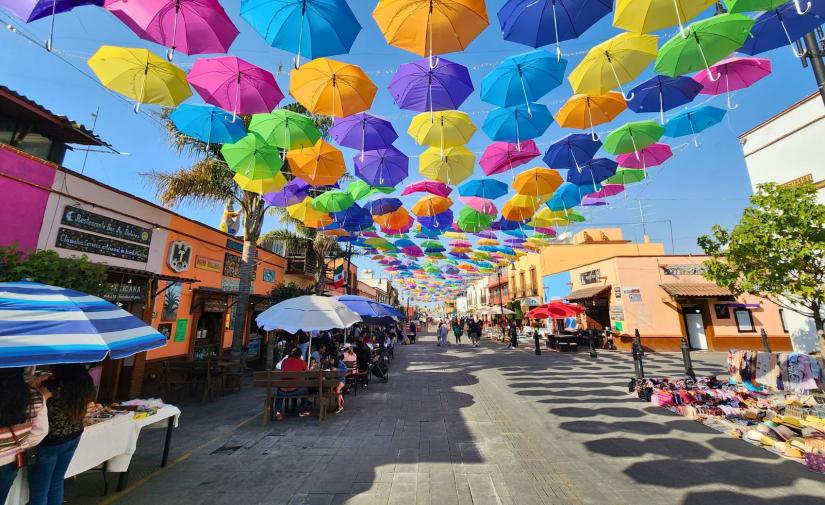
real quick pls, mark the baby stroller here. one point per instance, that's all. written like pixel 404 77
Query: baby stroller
pixel 380 368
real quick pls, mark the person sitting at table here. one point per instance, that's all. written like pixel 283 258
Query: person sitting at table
pixel 349 356
pixel 333 363
pixel 294 363
pixel 24 422
pixel 72 391
pixel 363 356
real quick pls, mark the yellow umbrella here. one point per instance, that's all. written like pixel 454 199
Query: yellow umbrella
pixel 537 181
pixel 261 186
pixel 332 88
pixel 428 27
pixel 446 128
pixel 487 241
pixel 450 166
pixel 140 75
pixel 587 111
pixel 319 165
pixel 612 63
pixel 520 207
pixel 455 235
pixel 648 16
pixel 304 212
pixel 431 205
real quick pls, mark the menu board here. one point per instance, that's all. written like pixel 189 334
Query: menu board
pixel 95 244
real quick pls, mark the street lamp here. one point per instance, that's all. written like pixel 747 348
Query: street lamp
pixel 500 298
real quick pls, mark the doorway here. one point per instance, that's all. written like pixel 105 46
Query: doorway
pixel 208 335
pixel 695 325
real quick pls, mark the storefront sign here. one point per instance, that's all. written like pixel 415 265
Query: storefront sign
pixel 208 264
pixel 235 246
pixel 632 294
pixel 180 256
pixel 232 265
pixel 253 348
pixel 128 292
pixel 269 275
pixel 180 330
pixel 95 244
pixel 799 181
pixel 590 277
pixel 214 305
pixel 89 221
pixel 616 313
pixel 234 285
pixel 689 269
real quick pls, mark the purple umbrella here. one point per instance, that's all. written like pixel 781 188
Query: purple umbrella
pixel 364 131
pixel 383 206
pixel 293 192
pixel 417 87
pixel 382 167
pixel 32 10
pixel 440 221
pixel 592 201
pixel 486 234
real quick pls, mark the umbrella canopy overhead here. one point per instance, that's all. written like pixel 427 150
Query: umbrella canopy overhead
pixel 364 132
pixel 285 129
pixel 207 123
pixel 518 123
pixel 319 165
pixel 650 156
pixel 782 26
pixel 537 181
pixel 307 313
pixel 648 16
pixel 571 151
pixel 473 221
pixel 733 74
pixel 332 88
pixel 432 187
pixel 293 192
pixel 484 188
pixel 500 157
pixel 633 136
pixel 369 310
pixel 446 128
pixel 417 87
pixel 252 156
pixel 523 79
pixel 592 172
pixel 693 121
pixel 613 63
pixel 586 111
pixel 451 165
pixel 382 167
pixel 662 93
pixel 235 85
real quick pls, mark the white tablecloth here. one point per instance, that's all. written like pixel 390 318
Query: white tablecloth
pixel 113 442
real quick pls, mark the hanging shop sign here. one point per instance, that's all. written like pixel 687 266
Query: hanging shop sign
pixel 590 277
pixel 232 265
pixel 269 275
pixel 688 269
pixel 180 330
pixel 235 246
pixel 209 264
pixel 89 221
pixel 214 305
pixel 180 256
pixel 126 293
pixel 633 294
pixel 95 244
pixel 616 313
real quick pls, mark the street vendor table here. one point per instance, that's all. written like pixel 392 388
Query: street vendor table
pixel 110 443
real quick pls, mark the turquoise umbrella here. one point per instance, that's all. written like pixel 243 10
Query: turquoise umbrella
pixel 514 124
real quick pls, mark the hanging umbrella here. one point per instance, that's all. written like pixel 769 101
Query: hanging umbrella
pixel 648 16
pixel 360 190
pixel 32 10
pixel 333 201
pixel 432 187
pixel 383 206
pixel 207 123
pixel 382 167
pixel 235 84
pixel 354 218
pixel 398 221
pixel 191 26
pixel 431 205
pixel 538 23
pixel 503 156
pixel 417 87
pixel 592 172
pixel 737 73
pixel 663 93
pixel 332 88
pixel 607 190
pixel 364 132
pixel 782 26
pixel 450 166
pixel 521 122
pixel 520 207
pixel 319 165
pixel 285 129
pixel 571 151
pixel 632 137
pixel 702 44
pixel 484 188
pixel 626 176
pixel 479 204
pixel 737 6
pixel 305 213
pixel 310 28
pixel 523 79
pixel 537 181
pixel 446 128
pixel 308 313
pixel 612 63
pixel 440 221
pixel 371 312
pixel 569 195
pixel 472 221
pixel 293 192
pixel 140 75
pixel 252 156
pixel 693 121
pixel 650 156
pixel 586 111
pixel 47 325
pixel 263 184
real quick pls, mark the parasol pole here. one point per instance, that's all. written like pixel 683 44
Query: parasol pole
pixel 363 135
pixel 297 60
pixel 693 130
pixel 518 136
pixel 661 104
pixel 237 97
pixel 798 54
pixel 430 35
pixel 679 20
pixel 731 106
pixel 51 29
pixel 705 60
pixel 524 90
pixel 556 29
pixel 593 134
pixel 142 88
pixel 627 97
pixel 170 53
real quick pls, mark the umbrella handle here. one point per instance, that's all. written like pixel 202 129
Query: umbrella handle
pixel 731 106
pixel 51 29
pixel 437 60
pixel 798 5
pixel 707 65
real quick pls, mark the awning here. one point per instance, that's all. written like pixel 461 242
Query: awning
pixel 145 273
pixel 587 293
pixel 695 290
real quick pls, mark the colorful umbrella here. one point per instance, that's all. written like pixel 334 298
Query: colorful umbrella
pixel 416 86
pixel 32 10
pixel 737 73
pixel 521 122
pixel 737 6
pixel 285 129
pixel 612 63
pixel 293 192
pixel 445 128
pixel 479 204
pixel 268 185
pixel 397 221
pixel 140 75
pixel 333 201
pixel 235 84
pixel 355 218
pixel 432 187
pixel 648 16
pixel 702 44
pixel 633 136
pixel 332 88
pixel 382 167
pixel 305 213
pixel 252 156
pixel 571 151
pixel 312 28
pixel 472 221
pixel 484 188
pixel 360 189
pixel 431 205
pixel 650 156
pixel 207 123
pixel 450 166
pixel 537 181
pixel 440 221
pixel 693 121
pixel 364 132
pixel 586 111
pixel 592 172
pixel 625 176
pixel 662 93
pixel 193 26
pixel 782 26
pixel 520 207
pixel 522 79
pixel 607 190
pixel 319 165
pixel 383 206
pixel 503 156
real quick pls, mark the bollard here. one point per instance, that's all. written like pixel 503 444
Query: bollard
pixel 687 360
pixel 765 340
pixel 638 353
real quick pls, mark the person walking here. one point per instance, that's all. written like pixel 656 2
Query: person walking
pixel 537 340
pixel 512 332
pixel 412 333
pixel 474 330
pixel 442 334
pixel 458 330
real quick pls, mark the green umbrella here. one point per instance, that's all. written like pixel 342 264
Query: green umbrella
pixel 333 201
pixel 632 137
pixel 473 221
pixel 285 129
pixel 252 157
pixel 360 190
pixel 702 44
pixel 625 176
pixel 736 6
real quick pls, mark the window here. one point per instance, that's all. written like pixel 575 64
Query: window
pixel 722 311
pixel 744 320
pixel 534 283
pixel 523 285
pixel 782 318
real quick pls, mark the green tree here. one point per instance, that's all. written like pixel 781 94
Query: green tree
pixel 777 250
pixel 48 267
pixel 283 292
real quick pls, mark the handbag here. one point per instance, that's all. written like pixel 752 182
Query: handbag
pixel 22 457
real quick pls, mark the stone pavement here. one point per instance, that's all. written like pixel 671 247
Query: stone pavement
pixel 465 426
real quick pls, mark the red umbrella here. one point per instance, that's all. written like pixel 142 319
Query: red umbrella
pixel 555 310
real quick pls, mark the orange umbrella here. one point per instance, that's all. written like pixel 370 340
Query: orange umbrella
pixel 537 181
pixel 431 205
pixel 520 207
pixel 394 220
pixel 319 165
pixel 332 88
pixel 587 111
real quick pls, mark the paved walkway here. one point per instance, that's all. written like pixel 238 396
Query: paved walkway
pixel 466 426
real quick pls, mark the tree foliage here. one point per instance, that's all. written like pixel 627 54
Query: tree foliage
pixel 283 292
pixel 48 267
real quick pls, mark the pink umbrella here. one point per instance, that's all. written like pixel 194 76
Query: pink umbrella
pixel 432 187
pixel 650 156
pixel 546 230
pixel 460 243
pixel 607 190
pixel 193 26
pixel 503 156
pixel 736 73
pixel 234 84
pixel 482 205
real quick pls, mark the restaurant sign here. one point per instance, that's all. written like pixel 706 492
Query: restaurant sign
pixel 590 277
pixel 95 244
pixel 232 266
pixel 208 264
pixel 688 269
pixel 126 294
pixel 89 221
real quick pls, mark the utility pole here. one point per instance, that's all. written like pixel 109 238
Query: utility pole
pixel 500 298
pixel 349 264
pixel 813 55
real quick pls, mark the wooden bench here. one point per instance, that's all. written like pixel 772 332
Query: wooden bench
pixel 320 383
pixel 206 374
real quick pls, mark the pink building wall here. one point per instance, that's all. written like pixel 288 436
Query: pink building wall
pixel 24 192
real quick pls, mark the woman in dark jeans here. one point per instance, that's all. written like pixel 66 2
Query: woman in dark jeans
pixel 72 390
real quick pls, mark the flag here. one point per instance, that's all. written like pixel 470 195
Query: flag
pixel 338 279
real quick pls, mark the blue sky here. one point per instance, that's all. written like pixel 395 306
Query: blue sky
pixel 697 188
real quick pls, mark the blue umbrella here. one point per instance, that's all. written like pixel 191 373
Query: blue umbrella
pixel 207 123
pixel 519 233
pixel 505 224
pixel 369 310
pixel 514 124
pixel 571 151
pixel 383 206
pixel 662 93
pixel 484 188
pixel 310 28
pixel 782 26
pixel 592 172
pixel 355 218
pixel 440 221
pixel 569 195
pixel 522 79
pixel 694 121
pixel 537 23
pixel 382 167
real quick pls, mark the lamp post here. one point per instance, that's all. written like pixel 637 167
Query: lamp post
pixel 500 298
pixel 813 54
